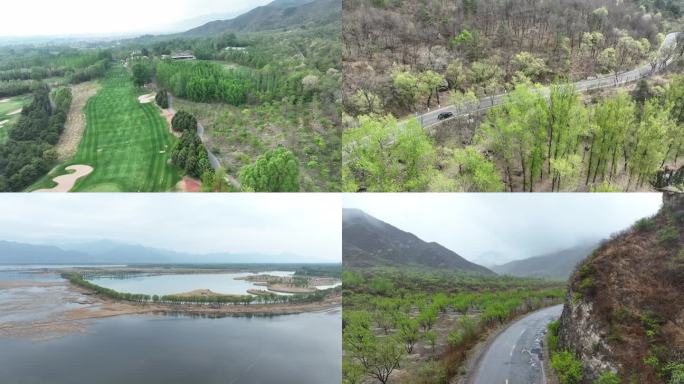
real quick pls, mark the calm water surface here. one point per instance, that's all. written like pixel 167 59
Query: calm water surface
pixel 177 283
pixel 292 349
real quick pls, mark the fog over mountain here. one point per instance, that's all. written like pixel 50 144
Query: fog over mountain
pixel 83 17
pixel 509 226
pixel 213 226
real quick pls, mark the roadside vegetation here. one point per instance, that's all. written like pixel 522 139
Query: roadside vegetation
pixel 418 326
pixel 636 317
pixel 470 53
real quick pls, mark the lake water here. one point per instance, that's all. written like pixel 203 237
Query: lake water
pixel 148 349
pixel 224 283
pixel 292 349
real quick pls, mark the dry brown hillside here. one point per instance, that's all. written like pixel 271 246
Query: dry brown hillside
pixel 625 308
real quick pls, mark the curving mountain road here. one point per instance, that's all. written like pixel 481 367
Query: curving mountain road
pixel 515 355
pixel 664 58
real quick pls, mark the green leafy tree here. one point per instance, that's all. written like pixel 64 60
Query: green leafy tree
pixel 275 171
pixel 382 155
pixel 476 172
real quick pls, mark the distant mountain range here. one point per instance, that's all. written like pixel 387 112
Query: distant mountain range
pixel 557 265
pixel 111 252
pixel 369 242
pixel 280 14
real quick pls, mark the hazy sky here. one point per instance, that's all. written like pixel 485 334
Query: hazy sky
pixel 305 224
pixel 507 226
pixel 89 17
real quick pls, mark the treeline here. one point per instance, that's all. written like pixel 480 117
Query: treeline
pixel 533 141
pixel 203 82
pixel 29 153
pixel 189 153
pixel 384 322
pixel 26 72
pixel 220 300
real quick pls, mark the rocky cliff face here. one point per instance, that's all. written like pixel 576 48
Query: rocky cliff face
pixel 625 306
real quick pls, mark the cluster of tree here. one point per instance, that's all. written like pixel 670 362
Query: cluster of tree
pixel 18 87
pixel 384 155
pixel 143 71
pixel 90 72
pixel 384 321
pixel 568 143
pixel 162 99
pixel 483 46
pixel 183 121
pixel 190 155
pixel 277 170
pixel 29 153
pixel 552 141
pixel 220 300
pixel 34 73
pixel 203 81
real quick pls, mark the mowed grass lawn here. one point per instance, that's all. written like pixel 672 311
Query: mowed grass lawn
pixel 127 143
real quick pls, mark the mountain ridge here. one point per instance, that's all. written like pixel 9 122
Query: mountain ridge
pixel 370 242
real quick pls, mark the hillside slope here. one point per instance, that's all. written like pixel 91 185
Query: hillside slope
pixel 280 14
pixel 369 242
pixel 557 265
pixel 624 311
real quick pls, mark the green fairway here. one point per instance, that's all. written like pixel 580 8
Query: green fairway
pixel 127 143
pixel 8 106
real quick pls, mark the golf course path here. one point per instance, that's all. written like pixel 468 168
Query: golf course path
pixel 66 182
pixel 515 355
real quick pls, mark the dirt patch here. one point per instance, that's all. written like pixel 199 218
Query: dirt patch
pixel 66 182
pixel 18 111
pixel 284 288
pixel 146 99
pixel 188 184
pixel 76 120
pixel 201 292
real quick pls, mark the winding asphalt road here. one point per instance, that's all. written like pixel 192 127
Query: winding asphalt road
pixel 432 117
pixel 515 355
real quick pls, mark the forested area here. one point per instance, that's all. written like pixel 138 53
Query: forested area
pixel 409 57
pixel 620 141
pixel 277 90
pixel 29 153
pixel 26 69
pixel 437 315
pixel 399 55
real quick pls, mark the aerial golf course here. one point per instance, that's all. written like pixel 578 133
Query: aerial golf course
pixel 127 143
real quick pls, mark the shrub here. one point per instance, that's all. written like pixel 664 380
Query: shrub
pixel 183 121
pixel 668 236
pixel 162 99
pixel 608 378
pixel 645 225
pixel 675 371
pixel 567 367
pixel 552 338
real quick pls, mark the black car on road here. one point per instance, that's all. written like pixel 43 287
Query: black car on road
pixel 445 115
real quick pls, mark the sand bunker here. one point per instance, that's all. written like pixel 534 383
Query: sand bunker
pixel 4 101
pixel 66 182
pixel 18 111
pixel 3 123
pixel 189 184
pixel 145 99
